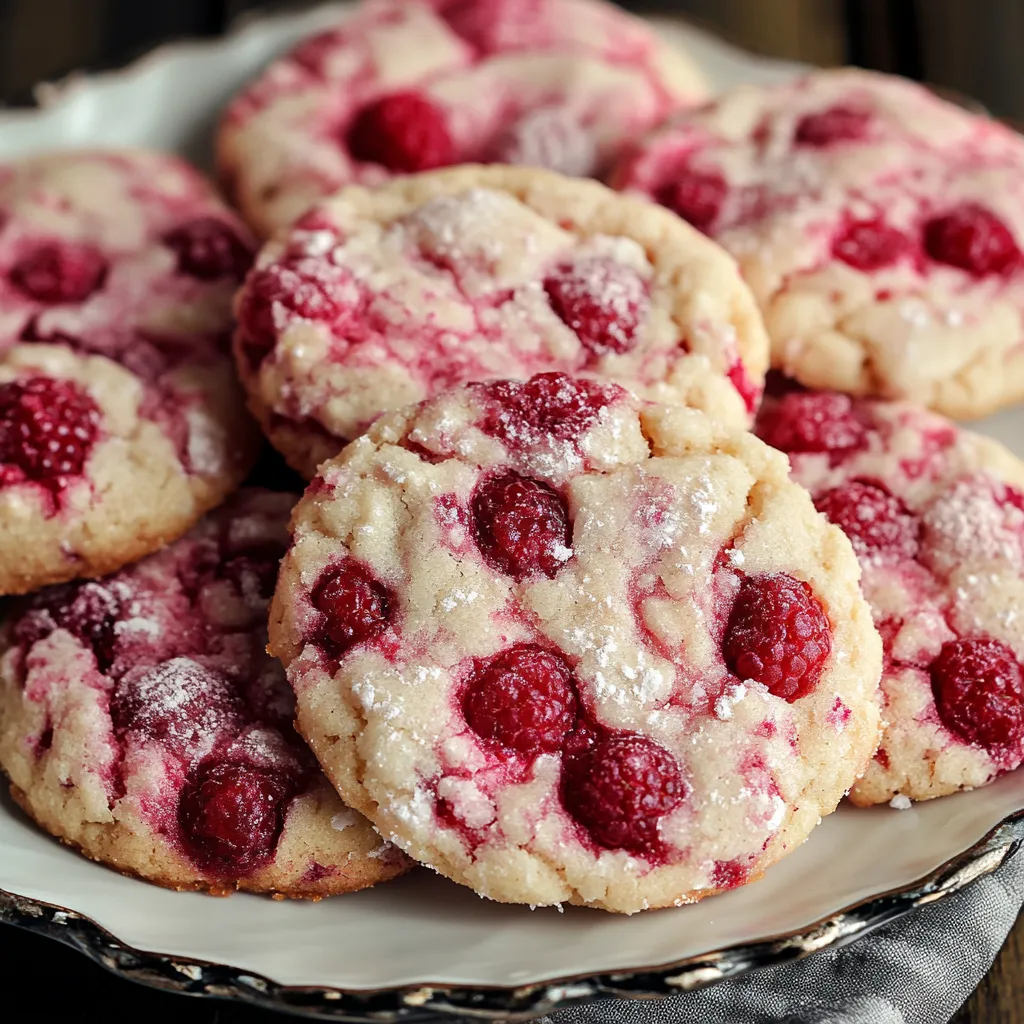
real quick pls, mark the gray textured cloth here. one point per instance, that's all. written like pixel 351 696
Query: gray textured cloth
pixel 917 970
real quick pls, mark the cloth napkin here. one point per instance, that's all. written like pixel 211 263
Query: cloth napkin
pixel 916 970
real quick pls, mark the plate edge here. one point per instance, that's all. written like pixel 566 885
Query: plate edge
pixel 512 1005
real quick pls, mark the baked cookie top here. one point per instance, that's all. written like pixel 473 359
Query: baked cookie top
pixel 418 84
pixel 879 226
pixel 936 517
pixel 381 297
pixel 120 418
pixel 142 721
pixel 562 645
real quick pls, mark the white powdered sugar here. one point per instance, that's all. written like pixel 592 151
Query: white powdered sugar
pixel 342 820
pixel 733 695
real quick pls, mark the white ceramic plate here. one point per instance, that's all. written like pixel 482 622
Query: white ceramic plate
pixel 421 946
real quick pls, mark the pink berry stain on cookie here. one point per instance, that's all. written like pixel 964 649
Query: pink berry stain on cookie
pixel 601 300
pixel 197 717
pixel 47 430
pixel 935 531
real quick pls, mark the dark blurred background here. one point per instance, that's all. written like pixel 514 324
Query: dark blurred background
pixel 972 46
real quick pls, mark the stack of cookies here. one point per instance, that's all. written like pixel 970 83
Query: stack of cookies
pixel 556 616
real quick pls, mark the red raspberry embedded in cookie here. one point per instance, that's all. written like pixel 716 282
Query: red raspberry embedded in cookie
pixel 89 611
pixel 355 606
pixel 778 635
pixel 696 196
pixel 208 248
pixel 620 789
pixel 602 300
pixel 979 694
pixel 178 702
pixel 231 816
pixel 972 238
pixel 812 421
pixel 870 245
pixel 404 132
pixel 60 272
pixel 878 524
pixel 837 124
pixel 47 428
pixel 523 700
pixel 297 288
pixel 548 405
pixel 521 526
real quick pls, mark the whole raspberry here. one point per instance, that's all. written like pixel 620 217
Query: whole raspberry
pixel 972 238
pixel 979 695
pixel 812 421
pixel 548 405
pixel 620 789
pixel 837 124
pixel 521 526
pixel 696 196
pixel 522 700
pixel 207 248
pixel 879 525
pixel 296 288
pixel 355 606
pixel 777 635
pixel 58 272
pixel 47 428
pixel 404 132
pixel 603 301
pixel 870 245
pixel 231 816
pixel 178 702
pixel 89 611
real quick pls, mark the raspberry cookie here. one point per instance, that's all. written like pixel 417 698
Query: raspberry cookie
pixel 561 645
pixel 120 418
pixel 143 722
pixel 379 298
pixel 879 227
pixel 411 85
pixel 936 516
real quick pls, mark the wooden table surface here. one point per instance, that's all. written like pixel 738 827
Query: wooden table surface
pixel 999 999
pixel 73 989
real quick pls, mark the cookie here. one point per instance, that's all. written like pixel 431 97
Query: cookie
pixel 142 721
pixel 879 227
pixel 561 645
pixel 412 85
pixel 936 516
pixel 121 420
pixel 379 298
